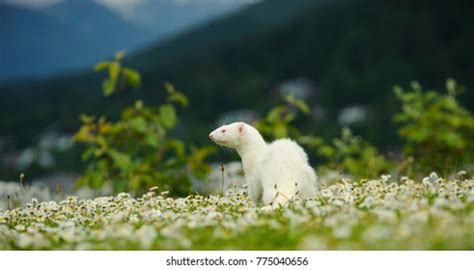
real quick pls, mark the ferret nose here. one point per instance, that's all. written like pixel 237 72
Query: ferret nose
pixel 210 136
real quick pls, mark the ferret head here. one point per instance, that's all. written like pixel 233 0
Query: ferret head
pixel 233 135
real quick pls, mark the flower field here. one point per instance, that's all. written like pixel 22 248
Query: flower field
pixel 431 213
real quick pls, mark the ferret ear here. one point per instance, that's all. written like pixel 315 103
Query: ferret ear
pixel 241 127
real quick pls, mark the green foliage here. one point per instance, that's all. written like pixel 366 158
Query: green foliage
pixel 351 154
pixel 138 151
pixel 438 131
pixel 278 123
pixel 438 134
pixel 119 77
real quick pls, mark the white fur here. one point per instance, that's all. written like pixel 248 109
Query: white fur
pixel 275 172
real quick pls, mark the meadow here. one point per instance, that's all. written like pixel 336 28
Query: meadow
pixel 383 213
pixel 364 200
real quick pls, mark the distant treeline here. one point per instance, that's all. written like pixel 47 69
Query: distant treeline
pixel 353 52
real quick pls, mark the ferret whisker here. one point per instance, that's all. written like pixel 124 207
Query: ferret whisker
pixel 221 147
pixel 210 127
pixel 226 149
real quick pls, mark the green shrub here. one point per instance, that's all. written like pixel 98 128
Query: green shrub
pixel 138 151
pixel 119 77
pixel 278 123
pixel 352 155
pixel 438 132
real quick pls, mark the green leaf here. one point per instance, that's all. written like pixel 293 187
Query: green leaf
pixel 280 130
pixel 302 106
pixel 274 114
pixel 121 160
pixel 168 116
pixel 311 141
pixel 88 153
pixel 114 71
pixel 420 134
pixel 198 155
pixel 180 98
pixel 290 99
pixel 326 151
pixel 152 139
pixel 138 124
pixel 108 87
pixel 175 96
pixel 102 66
pixel 139 104
pixel 454 140
pixel 178 146
pixel 289 117
pixel 170 88
pixel 171 162
pixel 451 86
pixel 415 86
pixel 96 181
pixel 398 91
pixel 132 77
pixel 87 119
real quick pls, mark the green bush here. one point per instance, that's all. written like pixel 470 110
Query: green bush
pixel 119 77
pixel 352 155
pixel 438 132
pixel 278 123
pixel 138 151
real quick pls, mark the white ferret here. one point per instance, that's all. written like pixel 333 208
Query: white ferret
pixel 275 172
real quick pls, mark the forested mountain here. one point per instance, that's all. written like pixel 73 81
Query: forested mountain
pixel 352 51
pixel 70 34
pixel 59 38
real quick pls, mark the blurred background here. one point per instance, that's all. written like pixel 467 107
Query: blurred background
pixel 233 59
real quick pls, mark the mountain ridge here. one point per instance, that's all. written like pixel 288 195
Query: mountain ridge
pixel 69 36
pixel 353 51
pixel 38 43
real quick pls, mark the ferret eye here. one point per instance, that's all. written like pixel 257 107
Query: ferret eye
pixel 223 131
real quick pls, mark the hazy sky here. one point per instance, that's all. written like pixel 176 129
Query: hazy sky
pixel 125 8
pixel 110 3
pixel 31 3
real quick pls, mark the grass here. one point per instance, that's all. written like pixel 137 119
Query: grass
pixel 432 213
